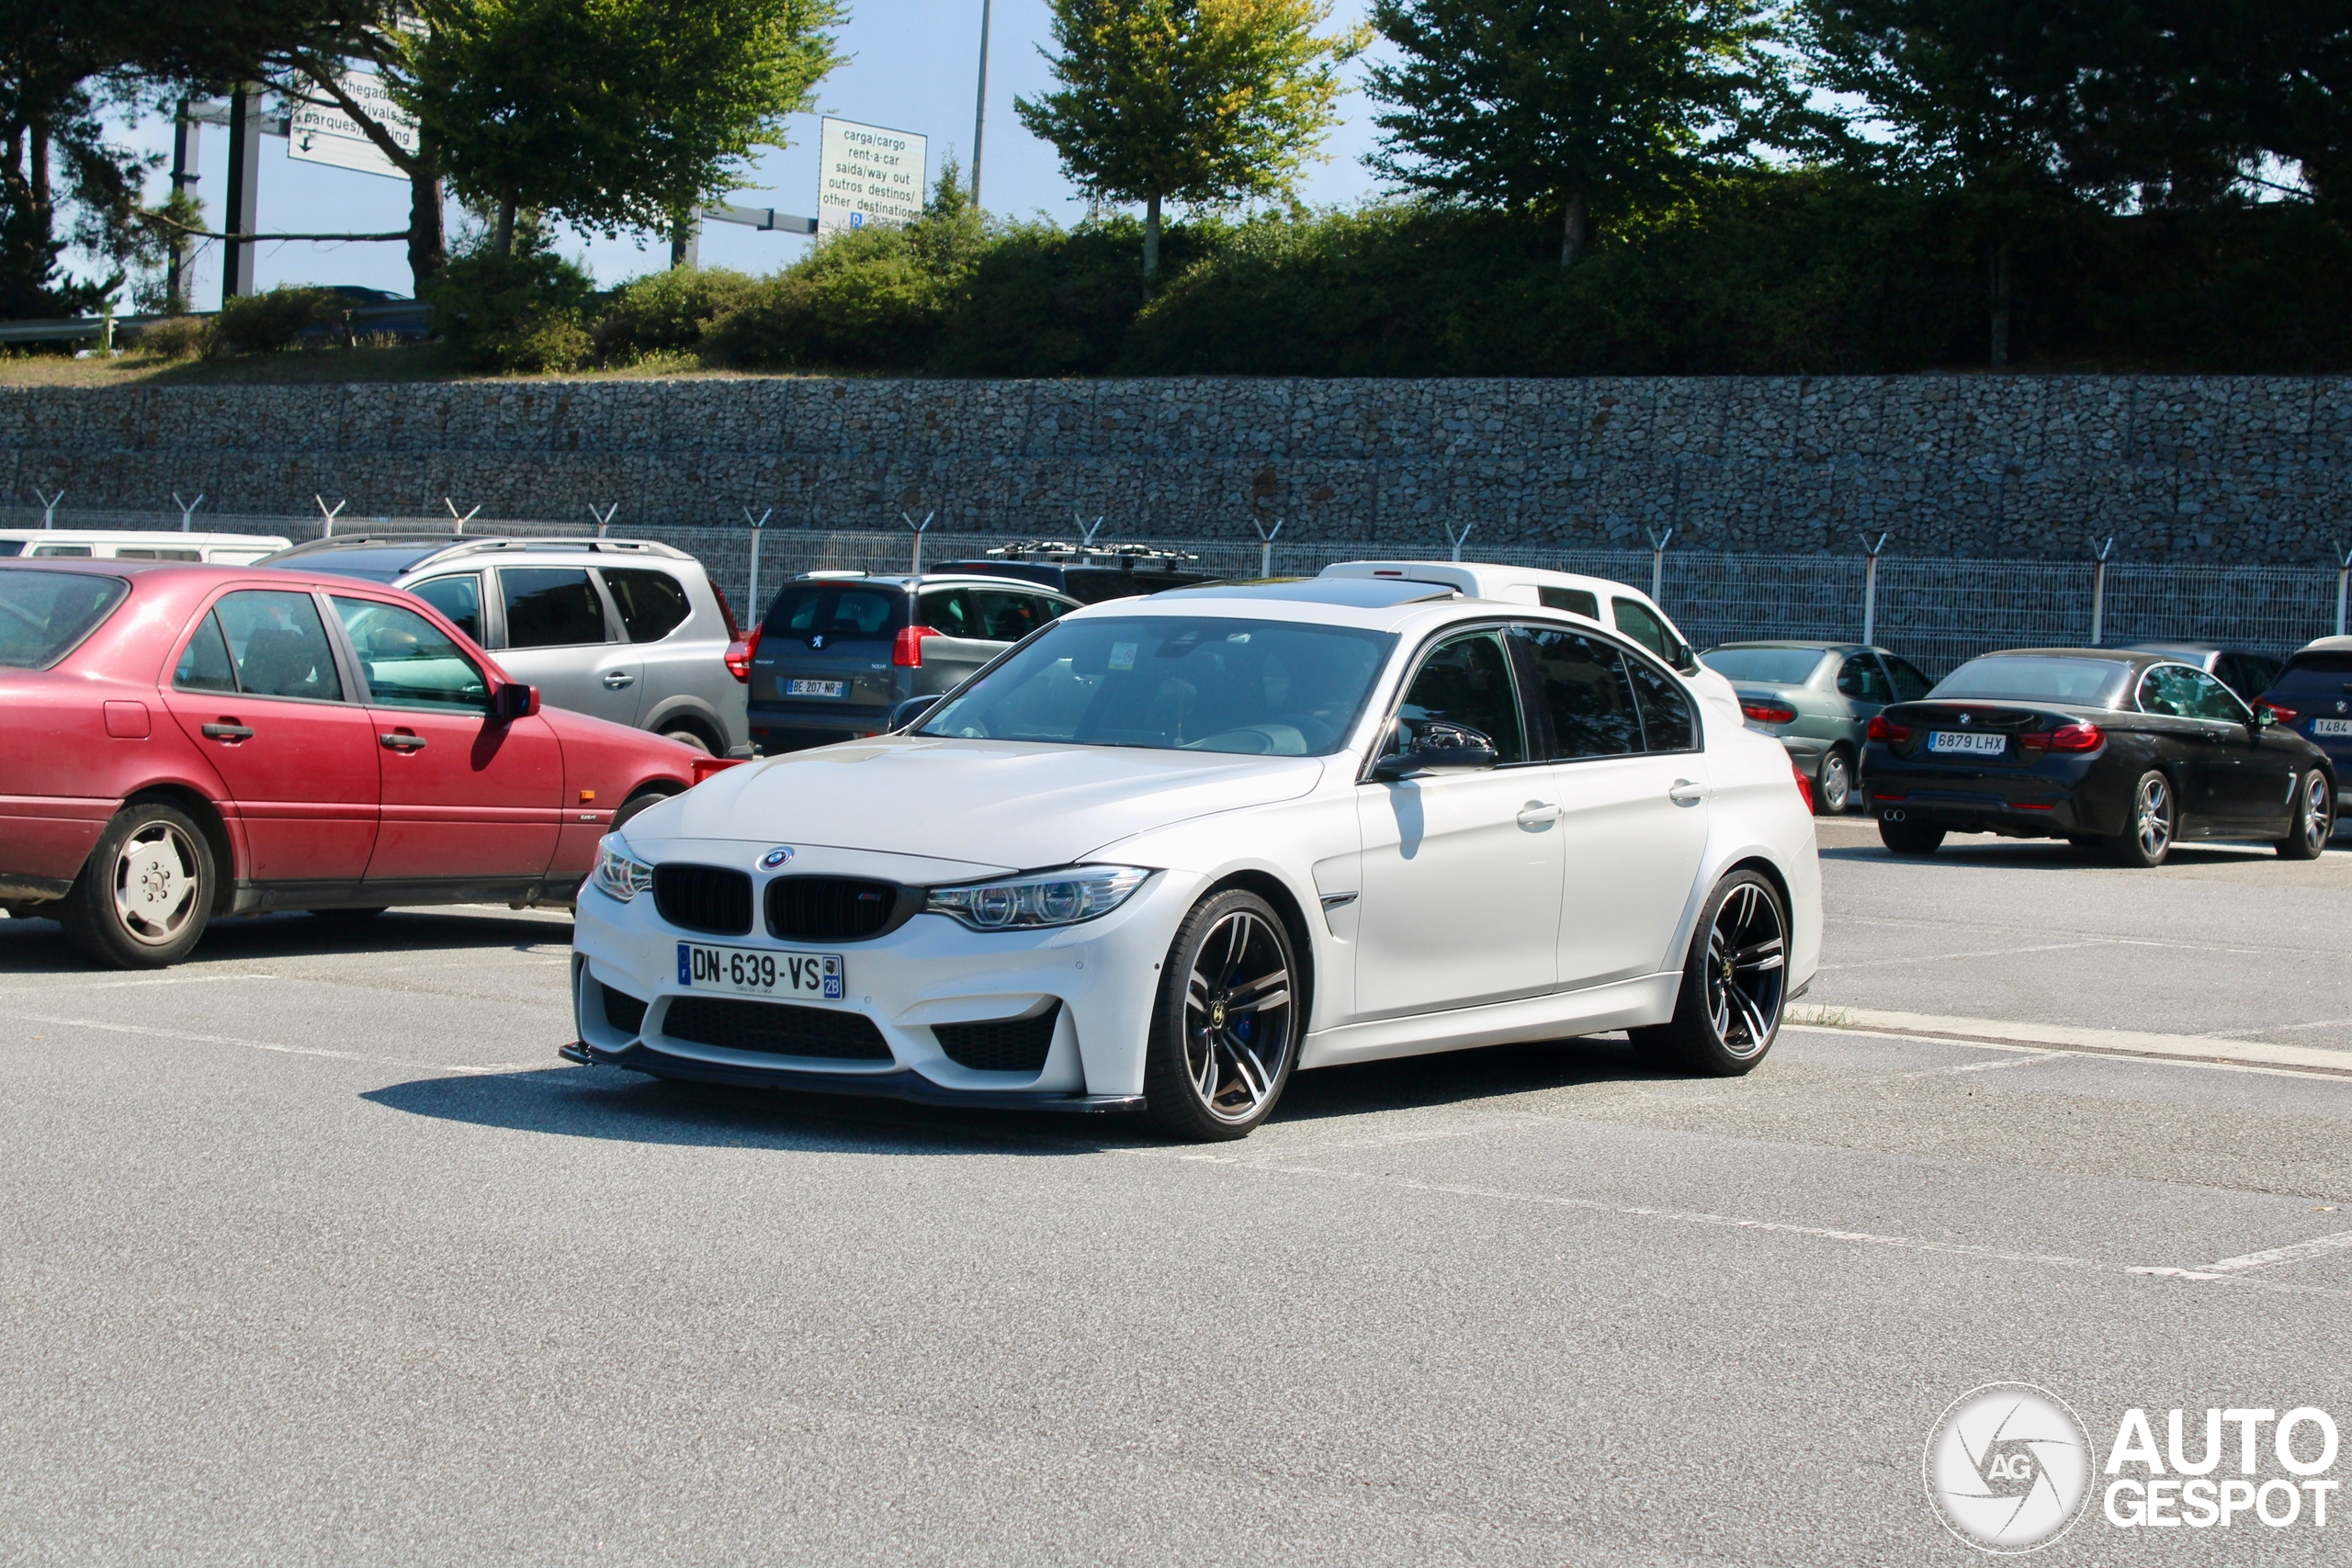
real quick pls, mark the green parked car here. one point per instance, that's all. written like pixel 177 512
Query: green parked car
pixel 1817 698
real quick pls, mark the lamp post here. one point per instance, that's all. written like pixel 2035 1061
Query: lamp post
pixel 980 109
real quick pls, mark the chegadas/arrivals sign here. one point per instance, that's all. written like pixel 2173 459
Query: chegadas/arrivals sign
pixel 867 173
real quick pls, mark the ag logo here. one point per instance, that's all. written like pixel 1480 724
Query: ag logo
pixel 776 857
pixel 2007 1467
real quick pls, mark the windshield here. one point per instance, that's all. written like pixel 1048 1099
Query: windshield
pixel 374 563
pixel 1781 666
pixel 2083 682
pixel 865 611
pixel 2316 675
pixel 1264 688
pixel 44 613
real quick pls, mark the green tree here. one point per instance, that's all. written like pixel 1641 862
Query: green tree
pixel 61 69
pixel 1203 102
pixel 1583 108
pixel 612 114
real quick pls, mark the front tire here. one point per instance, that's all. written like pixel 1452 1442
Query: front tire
pixel 1225 1031
pixel 143 896
pixel 1735 985
pixel 2147 834
pixel 1834 790
pixel 1910 838
pixel 2315 818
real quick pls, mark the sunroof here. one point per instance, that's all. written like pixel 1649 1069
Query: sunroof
pixel 1355 593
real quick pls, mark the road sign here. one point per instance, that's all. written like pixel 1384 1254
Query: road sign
pixel 323 133
pixel 868 174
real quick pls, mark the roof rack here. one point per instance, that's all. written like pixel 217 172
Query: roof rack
pixel 1063 552
pixel 456 546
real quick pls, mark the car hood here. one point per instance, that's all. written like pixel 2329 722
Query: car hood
pixel 1012 804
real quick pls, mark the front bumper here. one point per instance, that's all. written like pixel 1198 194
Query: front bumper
pixel 1103 976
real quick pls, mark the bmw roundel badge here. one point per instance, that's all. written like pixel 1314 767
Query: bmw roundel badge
pixel 776 857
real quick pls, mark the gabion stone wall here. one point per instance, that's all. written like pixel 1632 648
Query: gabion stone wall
pixel 2214 468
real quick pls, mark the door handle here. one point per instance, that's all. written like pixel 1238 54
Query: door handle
pixel 1685 793
pixel 1535 813
pixel 402 741
pixel 615 679
pixel 231 733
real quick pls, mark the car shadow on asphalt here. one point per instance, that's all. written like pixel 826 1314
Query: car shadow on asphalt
pixel 2044 855
pixel 615 1104
pixel 33 946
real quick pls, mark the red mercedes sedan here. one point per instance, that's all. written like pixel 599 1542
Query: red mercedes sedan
pixel 178 742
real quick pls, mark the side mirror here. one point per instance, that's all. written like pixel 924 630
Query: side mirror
pixel 2264 718
pixel 1438 748
pixel 907 714
pixel 1686 659
pixel 516 701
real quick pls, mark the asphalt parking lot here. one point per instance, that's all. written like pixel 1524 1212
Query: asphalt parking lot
pixel 313 1253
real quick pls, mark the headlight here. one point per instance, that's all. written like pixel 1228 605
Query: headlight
pixel 1041 898
pixel 617 876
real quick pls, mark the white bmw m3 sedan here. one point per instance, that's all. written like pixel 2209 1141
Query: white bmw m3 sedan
pixel 1168 851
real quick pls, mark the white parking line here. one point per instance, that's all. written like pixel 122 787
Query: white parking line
pixel 1946 957
pixel 281 1050
pixel 2197 1048
pixel 62 985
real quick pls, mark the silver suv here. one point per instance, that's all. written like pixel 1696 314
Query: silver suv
pixel 623 629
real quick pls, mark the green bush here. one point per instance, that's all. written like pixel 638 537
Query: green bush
pixel 1047 301
pixel 521 312
pixel 667 311
pixel 177 337
pixel 264 323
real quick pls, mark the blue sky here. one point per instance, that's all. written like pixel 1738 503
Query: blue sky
pixel 911 68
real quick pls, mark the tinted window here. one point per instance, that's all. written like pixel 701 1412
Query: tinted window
pixel 1006 616
pixel 11 546
pixel 44 613
pixel 134 552
pixel 652 603
pixel 204 663
pixel 550 607
pixel 837 609
pixel 458 598
pixel 1779 666
pixel 1638 621
pixel 946 610
pixel 1211 684
pixel 63 552
pixel 1580 686
pixel 1465 682
pixel 408 661
pixel 2315 675
pixel 1860 677
pixel 1575 601
pixel 278 646
pixel 377 564
pixel 1909 684
pixel 2183 692
pixel 1668 722
pixel 2028 677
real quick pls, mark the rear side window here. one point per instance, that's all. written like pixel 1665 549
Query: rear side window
pixel 1667 723
pixel 550 607
pixel 12 547
pixel 652 603
pixel 1860 677
pixel 1909 684
pixel 1575 601
pixel 61 552
pixel 1580 685
pixel 135 552
pixel 857 610
pixel 277 644
pixel 44 613
pixel 946 610
pixel 1637 622
pixel 458 598
pixel 1005 616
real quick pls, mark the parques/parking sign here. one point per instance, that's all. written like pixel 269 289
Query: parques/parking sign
pixel 867 174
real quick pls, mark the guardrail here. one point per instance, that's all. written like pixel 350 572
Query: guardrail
pixel 406 317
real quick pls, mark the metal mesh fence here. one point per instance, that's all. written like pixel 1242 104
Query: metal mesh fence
pixel 1936 613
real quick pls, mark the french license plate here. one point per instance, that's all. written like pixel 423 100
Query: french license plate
pixel 2331 726
pixel 1966 742
pixel 815 688
pixel 749 972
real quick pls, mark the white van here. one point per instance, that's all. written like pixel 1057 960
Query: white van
pixel 137 544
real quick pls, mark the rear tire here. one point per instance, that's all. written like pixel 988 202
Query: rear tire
pixel 2315 818
pixel 1735 985
pixel 693 737
pixel 2148 832
pixel 1910 838
pixel 1225 1031
pixel 1832 792
pixel 143 896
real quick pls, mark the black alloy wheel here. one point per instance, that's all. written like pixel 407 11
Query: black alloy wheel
pixel 2148 831
pixel 144 894
pixel 1833 791
pixel 2315 818
pixel 1225 1033
pixel 1735 985
pixel 1910 838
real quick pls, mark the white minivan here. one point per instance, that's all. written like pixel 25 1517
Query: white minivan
pixel 137 544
